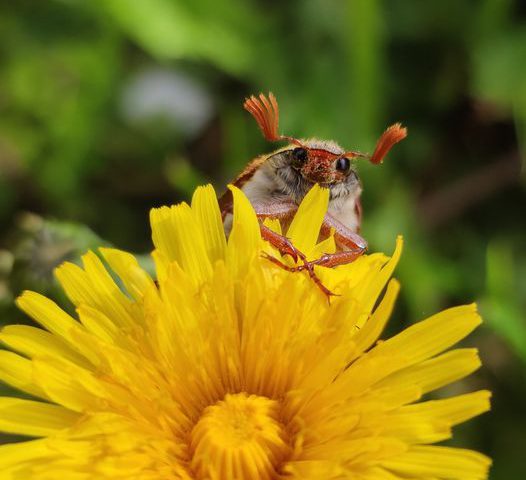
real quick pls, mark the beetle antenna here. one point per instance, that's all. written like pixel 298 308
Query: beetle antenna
pixel 266 113
pixel 394 134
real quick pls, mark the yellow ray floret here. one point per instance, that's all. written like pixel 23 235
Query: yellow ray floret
pixel 227 367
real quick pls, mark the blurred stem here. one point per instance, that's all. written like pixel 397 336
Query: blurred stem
pixel 519 112
pixel 501 306
pixel 235 134
pixel 364 52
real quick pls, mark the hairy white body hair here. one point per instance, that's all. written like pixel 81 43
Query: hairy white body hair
pixel 267 187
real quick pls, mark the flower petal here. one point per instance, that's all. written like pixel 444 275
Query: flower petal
pixel 35 342
pixel 97 323
pixel 431 336
pixel 454 410
pixel 304 228
pixel 245 238
pixel 16 455
pixel 374 326
pixel 66 384
pixel 17 371
pixel 440 462
pixel 369 291
pixel 178 234
pixel 26 417
pixel 94 286
pixel 53 318
pixel 206 211
pixel 125 265
pixel 436 372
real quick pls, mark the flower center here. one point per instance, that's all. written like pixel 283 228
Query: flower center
pixel 239 437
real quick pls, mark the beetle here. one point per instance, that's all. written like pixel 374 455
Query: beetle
pixel 276 183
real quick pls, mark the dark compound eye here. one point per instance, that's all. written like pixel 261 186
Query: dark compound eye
pixel 300 155
pixel 343 164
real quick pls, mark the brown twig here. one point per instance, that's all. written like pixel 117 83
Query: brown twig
pixel 454 199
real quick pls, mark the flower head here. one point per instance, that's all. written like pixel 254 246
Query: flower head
pixel 229 367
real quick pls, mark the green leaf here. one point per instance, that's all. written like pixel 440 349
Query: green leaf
pixel 171 30
pixel 501 306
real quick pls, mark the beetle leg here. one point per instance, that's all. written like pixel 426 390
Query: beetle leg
pixel 285 247
pixel 352 243
pixel 284 211
pixel 330 260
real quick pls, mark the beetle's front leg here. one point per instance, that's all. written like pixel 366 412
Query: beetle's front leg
pixel 352 245
pixel 285 247
pixel 284 211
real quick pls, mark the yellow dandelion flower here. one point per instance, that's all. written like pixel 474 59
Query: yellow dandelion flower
pixel 231 368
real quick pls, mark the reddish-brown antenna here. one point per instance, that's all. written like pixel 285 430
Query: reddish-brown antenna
pixel 391 136
pixel 266 113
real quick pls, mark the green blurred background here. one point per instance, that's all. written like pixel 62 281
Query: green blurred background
pixel 111 107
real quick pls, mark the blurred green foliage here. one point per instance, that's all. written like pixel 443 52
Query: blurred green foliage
pixel 111 107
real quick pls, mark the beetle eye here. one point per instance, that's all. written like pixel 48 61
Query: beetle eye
pixel 300 155
pixel 343 164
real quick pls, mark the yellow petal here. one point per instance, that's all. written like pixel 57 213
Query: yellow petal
pixel 245 238
pixel 454 410
pixel 97 323
pixel 35 342
pixel 361 375
pixel 374 326
pixel 376 473
pixel 305 227
pixel 370 291
pixel 314 470
pixel 414 429
pixel 95 287
pixel 125 265
pixel 162 264
pixel 163 232
pixel 206 211
pixel 325 246
pixel 108 296
pixel 436 372
pixel 26 417
pixel 178 235
pixel 441 462
pixel 273 223
pixel 432 336
pixel 47 313
pixel 53 318
pixel 17 371
pixel 66 384
pixel 358 450
pixel 18 454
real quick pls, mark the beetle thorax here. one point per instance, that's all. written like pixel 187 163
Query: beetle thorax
pixel 277 180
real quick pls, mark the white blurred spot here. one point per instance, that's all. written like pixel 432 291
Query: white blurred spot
pixel 161 93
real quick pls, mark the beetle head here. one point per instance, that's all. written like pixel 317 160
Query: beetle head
pixel 320 162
